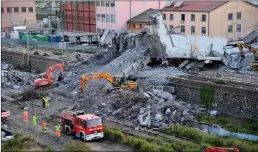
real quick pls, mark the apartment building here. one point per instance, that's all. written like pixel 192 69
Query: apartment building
pixel 229 19
pixel 17 13
pixel 114 15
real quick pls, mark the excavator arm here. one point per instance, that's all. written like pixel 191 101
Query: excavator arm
pixel 48 78
pixel 108 77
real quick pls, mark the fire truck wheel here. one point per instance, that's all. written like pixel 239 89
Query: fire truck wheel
pixel 82 137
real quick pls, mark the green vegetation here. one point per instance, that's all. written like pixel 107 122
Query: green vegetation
pixel 50 149
pixel 207 95
pixel 207 140
pixel 217 81
pixel 153 144
pixel 58 52
pixel 77 146
pixel 246 126
pixel 21 143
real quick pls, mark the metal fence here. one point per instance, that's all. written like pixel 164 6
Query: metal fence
pixel 47 45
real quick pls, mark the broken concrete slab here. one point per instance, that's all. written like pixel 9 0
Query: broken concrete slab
pixel 183 64
pixel 163 94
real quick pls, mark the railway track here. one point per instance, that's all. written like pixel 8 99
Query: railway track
pixel 148 134
pixel 226 80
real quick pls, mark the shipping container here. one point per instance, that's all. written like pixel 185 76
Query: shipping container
pixel 41 37
pixel 24 37
pixel 54 38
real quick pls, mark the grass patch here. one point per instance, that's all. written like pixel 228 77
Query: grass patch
pixel 77 147
pixel 21 143
pixel 207 96
pixel 207 140
pixel 218 81
pixel 246 126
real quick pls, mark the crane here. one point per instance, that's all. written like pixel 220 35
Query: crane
pixel 105 75
pixel 221 149
pixel 251 48
pixel 46 79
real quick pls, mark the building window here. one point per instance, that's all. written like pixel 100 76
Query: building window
pixel 112 4
pixel 192 17
pixel 98 3
pixel 203 30
pixel 230 16
pixel 238 28
pixel 113 18
pixel 9 9
pixel 171 27
pixel 16 9
pixel 171 17
pixel 182 29
pixel 164 17
pixel 182 17
pixel 107 4
pixel 203 18
pixel 98 30
pixel 30 9
pixel 92 3
pixel 107 17
pixel 102 3
pixel 2 9
pixel 140 25
pixel 192 29
pixel 103 30
pixel 23 9
pixel 230 28
pixel 239 15
pixel 98 17
pixel 103 18
pixel 133 25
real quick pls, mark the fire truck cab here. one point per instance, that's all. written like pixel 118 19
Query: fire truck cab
pixel 84 126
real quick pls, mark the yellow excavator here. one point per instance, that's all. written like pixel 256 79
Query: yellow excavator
pixel 251 48
pixel 113 80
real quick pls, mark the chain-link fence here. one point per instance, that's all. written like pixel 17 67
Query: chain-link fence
pixel 48 45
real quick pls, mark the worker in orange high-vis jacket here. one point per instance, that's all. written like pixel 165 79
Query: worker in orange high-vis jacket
pixel 25 115
pixel 44 126
pixel 58 130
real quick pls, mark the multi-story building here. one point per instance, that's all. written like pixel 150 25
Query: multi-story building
pixel 79 15
pixel 115 14
pixel 229 19
pixel 17 12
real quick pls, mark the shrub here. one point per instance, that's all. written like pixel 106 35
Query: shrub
pixel 50 149
pixel 212 140
pixel 77 147
pixel 205 145
pixel 166 148
pixel 207 95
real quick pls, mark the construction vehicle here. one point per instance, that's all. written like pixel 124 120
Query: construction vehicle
pixel 251 48
pixel 4 114
pixel 113 80
pixel 46 78
pixel 221 149
pixel 84 126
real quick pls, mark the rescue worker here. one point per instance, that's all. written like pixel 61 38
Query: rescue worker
pixel 45 101
pixel 83 82
pixel 58 130
pixel 34 120
pixel 44 126
pixel 25 115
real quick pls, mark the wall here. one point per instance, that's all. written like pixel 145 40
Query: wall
pixel 136 26
pixel 123 11
pixel 219 19
pixel 187 23
pixel 18 17
pixel 38 63
pixel 234 101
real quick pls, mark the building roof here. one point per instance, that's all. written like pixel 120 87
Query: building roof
pixel 251 37
pixel 195 6
pixel 144 17
pixel 255 3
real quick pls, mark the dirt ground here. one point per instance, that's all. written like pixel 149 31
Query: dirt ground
pixel 15 123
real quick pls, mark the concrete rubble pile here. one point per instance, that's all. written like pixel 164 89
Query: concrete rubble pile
pixel 15 79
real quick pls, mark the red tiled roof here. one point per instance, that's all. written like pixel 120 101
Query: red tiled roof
pixel 195 6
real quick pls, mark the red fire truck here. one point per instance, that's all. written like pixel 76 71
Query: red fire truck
pixel 84 126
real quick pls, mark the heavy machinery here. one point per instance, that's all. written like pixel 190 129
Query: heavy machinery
pixel 251 48
pixel 46 79
pixel 221 149
pixel 84 126
pixel 113 80
pixel 4 114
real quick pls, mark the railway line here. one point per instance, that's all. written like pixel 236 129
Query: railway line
pixel 225 79
pixel 149 134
